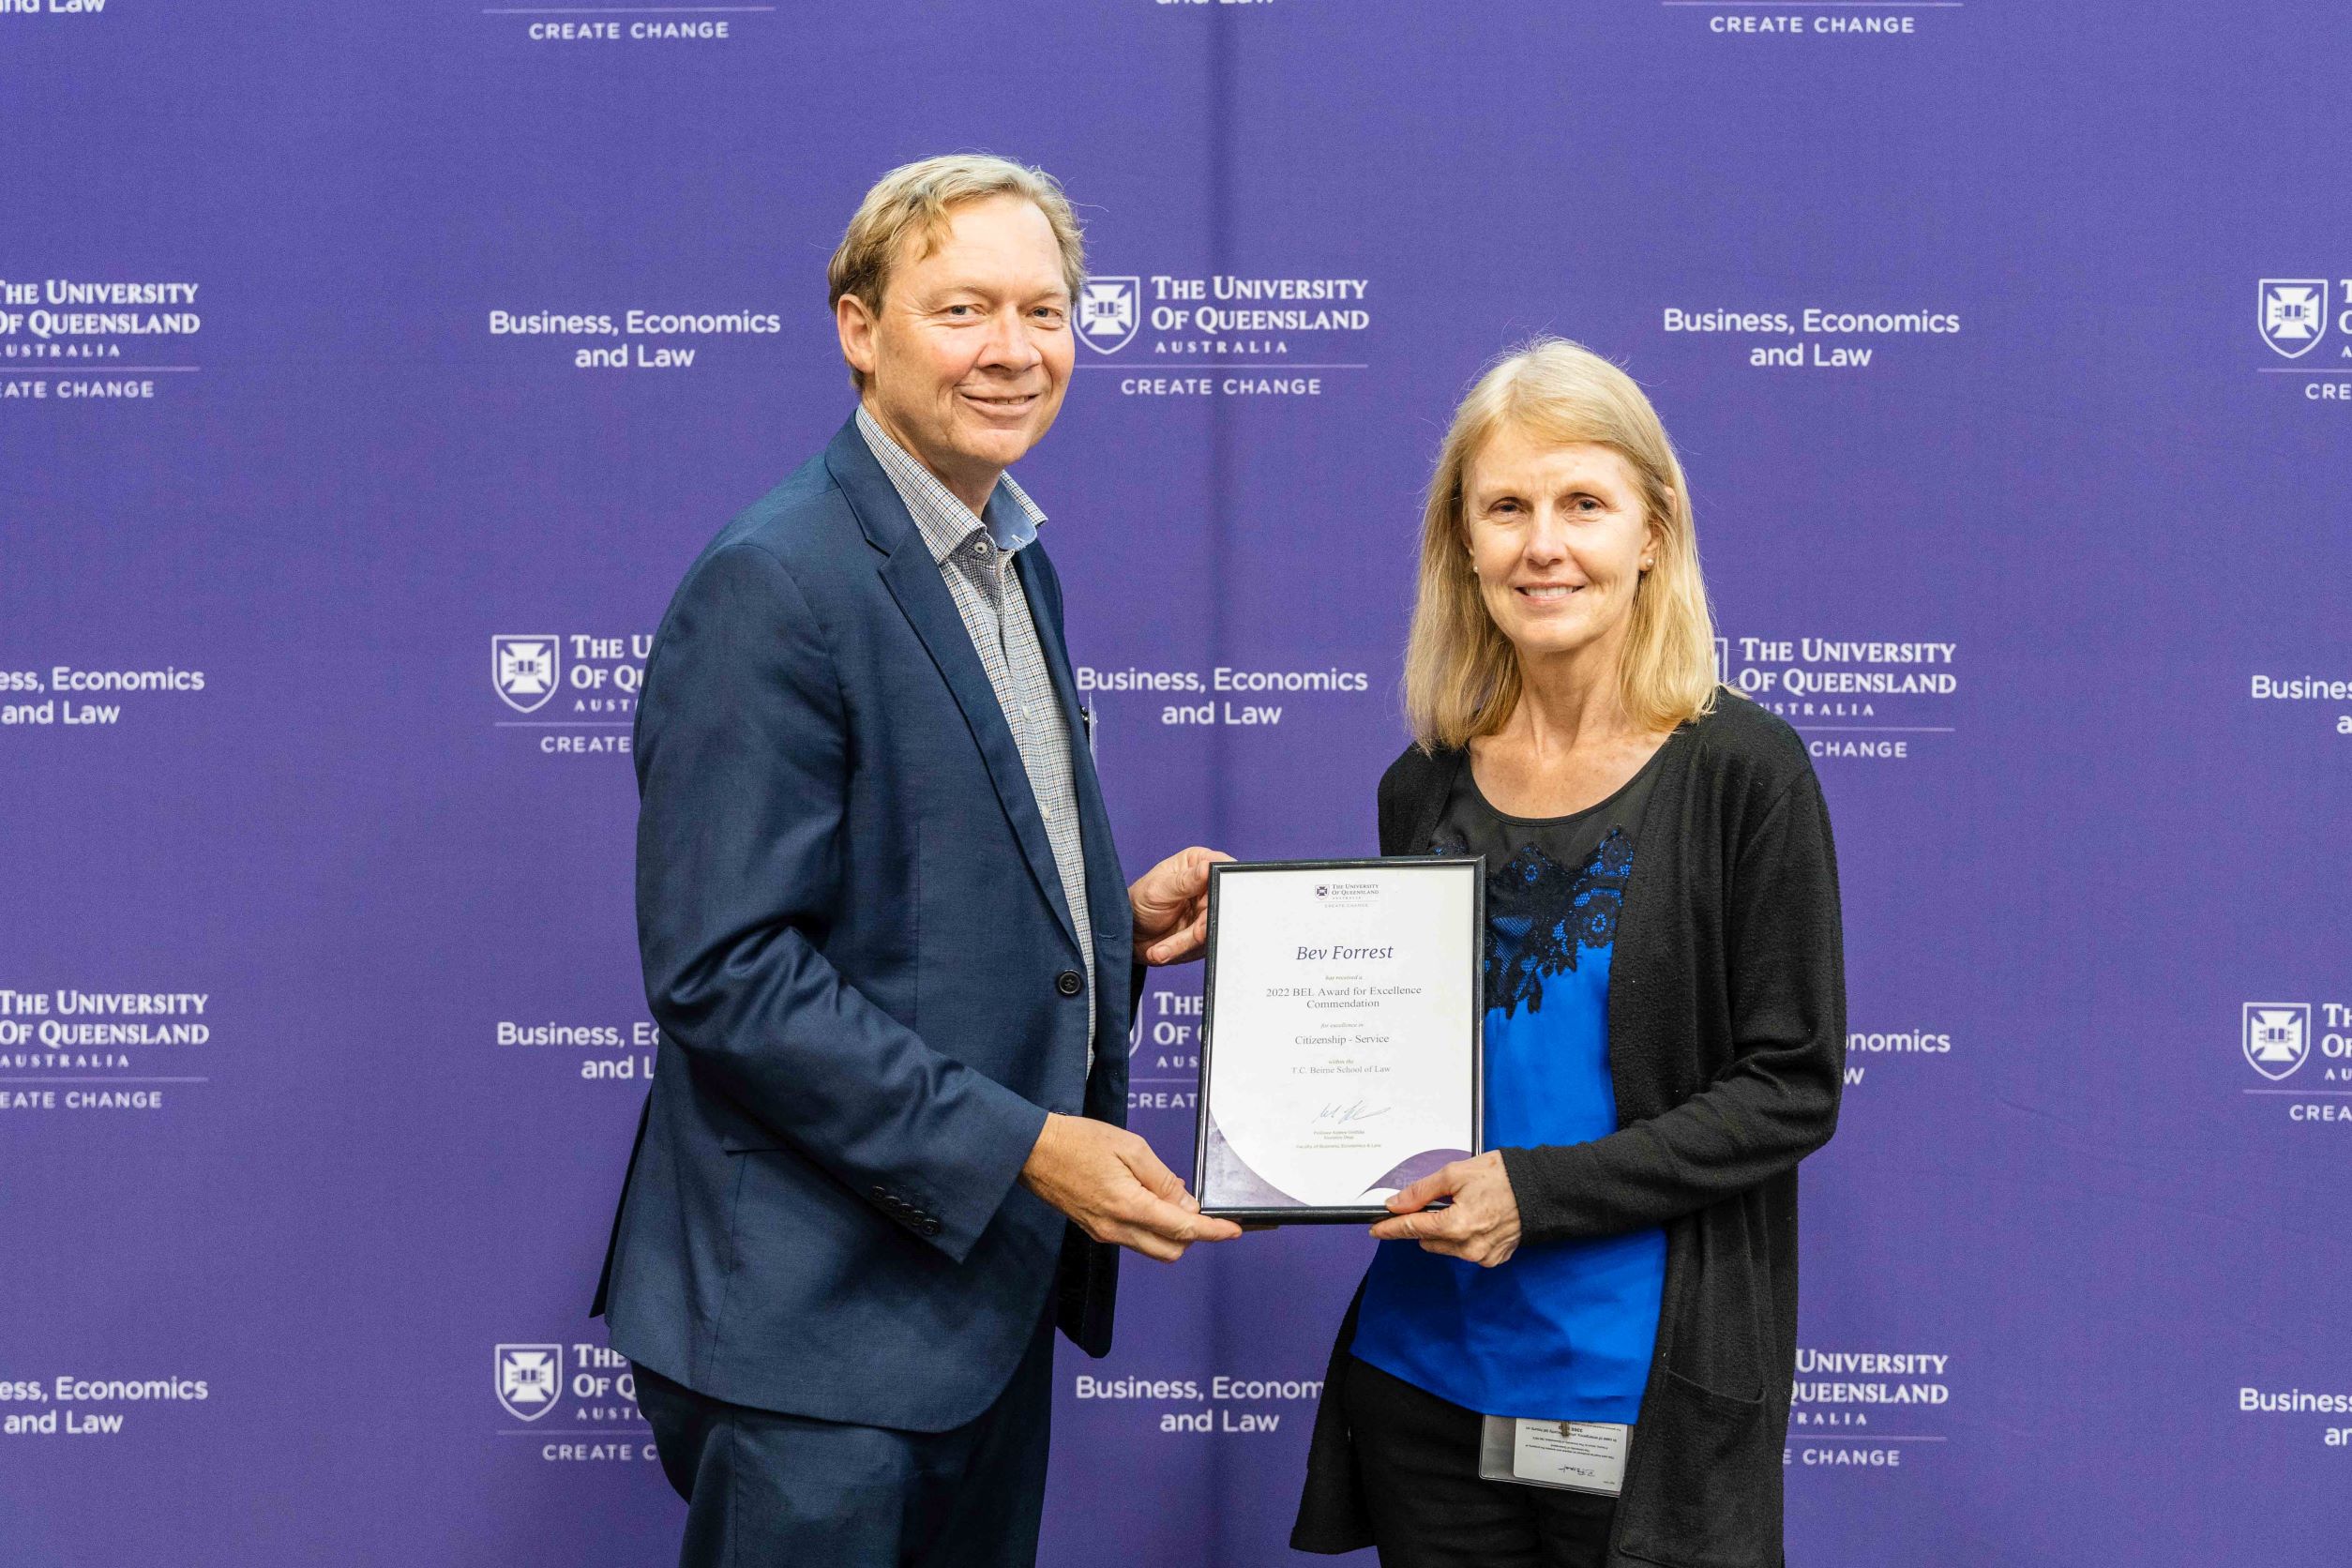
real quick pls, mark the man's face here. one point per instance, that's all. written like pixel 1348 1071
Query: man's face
pixel 967 360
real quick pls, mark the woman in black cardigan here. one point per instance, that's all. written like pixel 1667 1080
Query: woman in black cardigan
pixel 1605 1303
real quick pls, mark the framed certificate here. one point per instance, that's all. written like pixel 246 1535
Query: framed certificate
pixel 1340 1035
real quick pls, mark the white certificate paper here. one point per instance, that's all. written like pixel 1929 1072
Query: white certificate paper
pixel 1341 1033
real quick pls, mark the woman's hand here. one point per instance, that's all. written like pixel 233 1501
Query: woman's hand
pixel 1482 1227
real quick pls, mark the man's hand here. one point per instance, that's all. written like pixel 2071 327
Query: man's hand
pixel 1171 906
pixel 1110 1181
pixel 1482 1227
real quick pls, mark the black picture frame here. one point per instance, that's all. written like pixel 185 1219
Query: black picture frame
pixel 1353 1214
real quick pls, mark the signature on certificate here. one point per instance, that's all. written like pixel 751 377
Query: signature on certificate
pixel 1338 1113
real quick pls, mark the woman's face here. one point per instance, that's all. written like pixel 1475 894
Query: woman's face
pixel 1559 538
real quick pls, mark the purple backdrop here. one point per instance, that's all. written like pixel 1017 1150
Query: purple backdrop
pixel 2010 348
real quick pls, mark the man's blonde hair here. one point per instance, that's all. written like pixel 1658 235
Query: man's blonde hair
pixel 1461 674
pixel 917 197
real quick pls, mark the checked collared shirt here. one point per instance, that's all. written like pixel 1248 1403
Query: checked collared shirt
pixel 976 558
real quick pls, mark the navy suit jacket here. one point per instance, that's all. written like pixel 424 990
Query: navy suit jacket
pixel 855 944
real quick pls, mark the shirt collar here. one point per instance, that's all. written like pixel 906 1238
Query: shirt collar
pixel 1011 519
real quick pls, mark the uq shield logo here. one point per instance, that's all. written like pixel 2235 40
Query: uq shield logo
pixel 2278 1036
pixel 1108 311
pixel 530 1379
pixel 524 670
pixel 2293 314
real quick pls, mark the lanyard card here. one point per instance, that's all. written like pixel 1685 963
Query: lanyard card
pixel 1573 1455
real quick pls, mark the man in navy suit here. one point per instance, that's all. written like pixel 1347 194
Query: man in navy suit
pixel 888 944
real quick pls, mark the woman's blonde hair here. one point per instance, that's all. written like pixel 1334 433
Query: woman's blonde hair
pixel 1461 674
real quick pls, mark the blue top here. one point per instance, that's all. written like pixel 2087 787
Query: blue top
pixel 1564 1331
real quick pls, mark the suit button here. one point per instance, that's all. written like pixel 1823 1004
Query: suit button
pixel 928 1227
pixel 1069 983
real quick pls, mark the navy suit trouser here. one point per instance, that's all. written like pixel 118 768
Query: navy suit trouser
pixel 768 1491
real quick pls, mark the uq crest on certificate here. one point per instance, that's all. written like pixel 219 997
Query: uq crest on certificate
pixel 1341 1033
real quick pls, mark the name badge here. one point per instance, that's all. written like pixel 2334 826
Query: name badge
pixel 1576 1456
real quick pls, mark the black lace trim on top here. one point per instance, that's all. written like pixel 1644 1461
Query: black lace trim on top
pixel 1541 915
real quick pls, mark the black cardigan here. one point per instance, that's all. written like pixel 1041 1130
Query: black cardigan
pixel 1727 1014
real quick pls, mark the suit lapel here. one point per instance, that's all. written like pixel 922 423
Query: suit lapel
pixel 1105 879
pixel 914 579
pixel 1105 886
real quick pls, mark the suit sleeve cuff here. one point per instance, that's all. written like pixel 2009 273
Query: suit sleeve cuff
pixel 1008 1130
